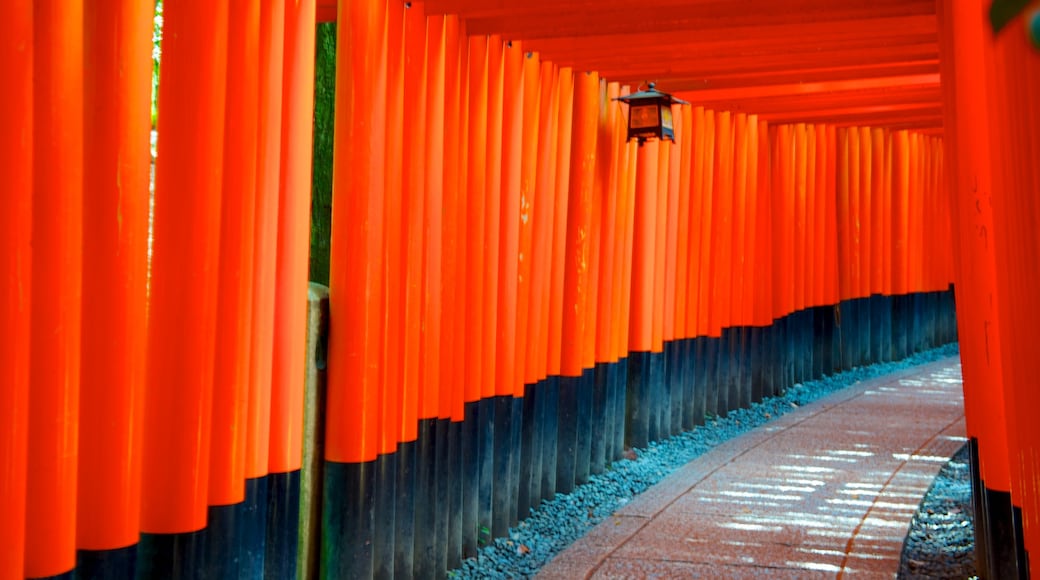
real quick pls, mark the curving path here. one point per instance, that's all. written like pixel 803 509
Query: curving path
pixel 826 491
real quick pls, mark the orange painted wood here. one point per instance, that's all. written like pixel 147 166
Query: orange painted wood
pixel 395 238
pixel 877 209
pixel 739 223
pixel 901 179
pixel 356 273
pixel 509 243
pixel 708 237
pixel 832 291
pixel 265 244
pixel 867 203
pixel 660 250
pixel 579 223
pixel 644 248
pixel 720 314
pixel 16 163
pixel 694 320
pixel 598 191
pixel 536 360
pixel 824 197
pixel 475 214
pixel 450 395
pixel 53 429
pixel 560 220
pixel 527 320
pixel 227 457
pixel 183 285
pixel 290 320
pixel 752 276
pixel 117 92
pixel 493 209
pixel 461 393
pixel 799 185
pixel 607 183
pixel 412 215
pixel 764 231
pixel 625 223
pixel 842 215
pixel 552 144
pixel 430 403
pixel 784 203
pixel 671 244
pixel 684 129
pixel 629 205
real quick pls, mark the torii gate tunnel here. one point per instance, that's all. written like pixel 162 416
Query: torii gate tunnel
pixel 516 292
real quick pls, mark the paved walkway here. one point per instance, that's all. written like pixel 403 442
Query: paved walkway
pixel 826 491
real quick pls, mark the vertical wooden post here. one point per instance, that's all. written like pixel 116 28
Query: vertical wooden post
pixel 16 163
pixel 356 292
pixel 50 525
pixel 235 301
pixel 183 285
pixel 117 43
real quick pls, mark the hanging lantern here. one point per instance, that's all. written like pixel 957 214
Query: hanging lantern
pixel 650 115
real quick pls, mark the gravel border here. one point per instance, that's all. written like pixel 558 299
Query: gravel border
pixel 941 539
pixel 557 523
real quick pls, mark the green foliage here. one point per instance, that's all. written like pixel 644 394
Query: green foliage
pixel 157 27
pixel 321 178
pixel 1001 12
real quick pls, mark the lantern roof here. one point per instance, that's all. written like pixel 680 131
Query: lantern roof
pixel 650 94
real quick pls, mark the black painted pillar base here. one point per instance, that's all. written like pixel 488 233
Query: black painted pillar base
pixel 348 520
pixel 567 433
pixel 404 510
pixel 550 436
pixel 602 428
pixel 583 451
pixel 283 525
pixel 486 471
pixel 452 483
pixel 426 539
pixel 502 462
pixel 530 448
pixel 117 564
pixel 170 556
pixel 470 479
pixel 637 411
pixel 620 379
pixel 385 508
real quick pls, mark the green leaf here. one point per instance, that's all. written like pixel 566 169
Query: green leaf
pixel 1001 12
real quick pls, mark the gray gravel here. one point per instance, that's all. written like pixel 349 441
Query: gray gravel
pixel 556 524
pixel 941 542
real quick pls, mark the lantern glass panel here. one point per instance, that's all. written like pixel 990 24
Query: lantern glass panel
pixel 666 117
pixel 643 117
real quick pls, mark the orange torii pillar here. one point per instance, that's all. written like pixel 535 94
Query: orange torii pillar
pixel 609 141
pixel 54 344
pixel 574 391
pixel 16 164
pixel 227 457
pixel 183 289
pixel 479 394
pixel 117 94
pixel 564 99
pixel 290 317
pixel 390 462
pixel 355 294
pixel 1013 68
pixel 640 345
pixel 507 411
pixel 528 319
pixel 535 361
pixel 967 50
pixel 413 179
